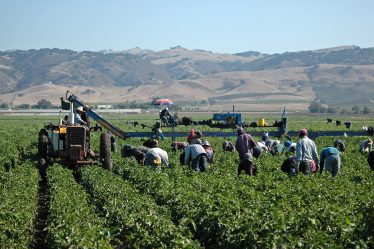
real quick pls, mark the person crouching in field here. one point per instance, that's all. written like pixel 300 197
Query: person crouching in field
pixel 155 156
pixel 366 145
pixel 306 154
pixel 330 158
pixel 289 166
pixel 196 155
pixel 228 146
pixel 132 151
pixel 209 151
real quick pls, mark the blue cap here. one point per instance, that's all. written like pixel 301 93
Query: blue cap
pixel 287 143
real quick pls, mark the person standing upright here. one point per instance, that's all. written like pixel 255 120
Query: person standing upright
pixel 306 154
pixel 244 143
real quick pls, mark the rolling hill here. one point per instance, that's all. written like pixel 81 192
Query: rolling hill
pixel 341 76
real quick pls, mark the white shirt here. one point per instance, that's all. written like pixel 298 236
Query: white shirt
pixel 192 151
pixel 306 150
pixel 158 152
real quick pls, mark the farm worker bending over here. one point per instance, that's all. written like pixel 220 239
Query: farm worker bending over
pixel 366 145
pixel 209 151
pixel 197 154
pixel 156 156
pixel 306 153
pixel 330 156
pixel 289 166
pixel 269 143
pixel 244 143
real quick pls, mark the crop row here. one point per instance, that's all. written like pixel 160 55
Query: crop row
pixel 18 204
pixel 72 221
pixel 16 145
pixel 136 220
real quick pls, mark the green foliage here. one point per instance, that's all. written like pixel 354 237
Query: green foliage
pixel 4 106
pixel 270 210
pixel 18 203
pixel 44 104
pixel 72 221
pixel 136 221
pixel 138 207
pixel 316 107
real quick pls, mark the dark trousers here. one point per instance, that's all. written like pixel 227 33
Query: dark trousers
pixel 248 168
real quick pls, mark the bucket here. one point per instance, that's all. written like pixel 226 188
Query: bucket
pixel 261 122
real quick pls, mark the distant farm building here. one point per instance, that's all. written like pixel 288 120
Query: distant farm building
pixel 106 107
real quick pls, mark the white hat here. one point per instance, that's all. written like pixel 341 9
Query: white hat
pixel 206 143
pixel 80 108
pixel 166 108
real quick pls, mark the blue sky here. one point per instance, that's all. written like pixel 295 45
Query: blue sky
pixel 267 26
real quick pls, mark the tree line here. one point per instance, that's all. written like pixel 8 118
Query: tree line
pixel 316 107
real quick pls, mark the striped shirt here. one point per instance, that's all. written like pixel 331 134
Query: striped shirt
pixel 192 151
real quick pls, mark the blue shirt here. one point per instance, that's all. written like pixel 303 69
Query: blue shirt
pixel 328 151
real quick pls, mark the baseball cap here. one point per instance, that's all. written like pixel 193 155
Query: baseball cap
pixel 206 143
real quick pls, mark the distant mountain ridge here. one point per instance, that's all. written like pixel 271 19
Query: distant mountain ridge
pixel 193 75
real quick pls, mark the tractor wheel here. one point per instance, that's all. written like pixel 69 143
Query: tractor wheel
pixel 105 156
pixel 108 164
pixel 42 150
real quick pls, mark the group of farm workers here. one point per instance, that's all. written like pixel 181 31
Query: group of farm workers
pixel 302 156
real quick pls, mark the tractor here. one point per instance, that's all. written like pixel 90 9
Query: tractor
pixel 70 144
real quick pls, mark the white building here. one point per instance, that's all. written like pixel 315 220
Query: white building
pixel 106 107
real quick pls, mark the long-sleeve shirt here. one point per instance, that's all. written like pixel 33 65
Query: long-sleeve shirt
pixel 306 150
pixel 155 153
pixel 192 151
pixel 244 144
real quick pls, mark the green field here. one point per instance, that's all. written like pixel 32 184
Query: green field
pixel 136 207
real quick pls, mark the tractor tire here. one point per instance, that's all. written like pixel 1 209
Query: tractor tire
pixel 108 164
pixel 105 149
pixel 42 150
